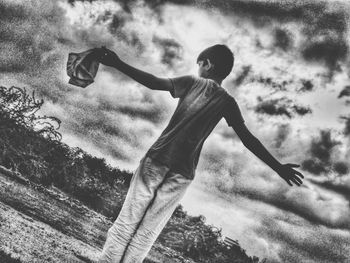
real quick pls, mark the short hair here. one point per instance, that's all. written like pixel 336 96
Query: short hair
pixel 222 58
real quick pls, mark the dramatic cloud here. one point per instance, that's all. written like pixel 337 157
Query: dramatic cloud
pixel 310 243
pixel 28 38
pixel 306 86
pixel 324 28
pixel 281 106
pixel 282 134
pixel 304 213
pixel 242 75
pixel 171 50
pixel 337 187
pixel 345 92
pixel 329 50
pixel 283 39
pixel 275 85
pixel 321 150
pixel 347 125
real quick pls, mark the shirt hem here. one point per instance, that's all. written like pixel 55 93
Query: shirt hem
pixel 174 170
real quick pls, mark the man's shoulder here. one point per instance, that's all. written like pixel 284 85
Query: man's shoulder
pixel 184 80
pixel 227 96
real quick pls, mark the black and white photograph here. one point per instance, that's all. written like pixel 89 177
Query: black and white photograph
pixel 175 131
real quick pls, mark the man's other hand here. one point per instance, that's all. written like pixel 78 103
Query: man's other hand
pixel 290 175
pixel 108 57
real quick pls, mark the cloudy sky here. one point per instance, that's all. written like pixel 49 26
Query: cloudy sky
pixel 290 79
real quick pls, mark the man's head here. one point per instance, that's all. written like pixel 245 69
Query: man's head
pixel 215 62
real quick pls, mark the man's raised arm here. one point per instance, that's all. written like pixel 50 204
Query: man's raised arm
pixel 110 58
pixel 285 171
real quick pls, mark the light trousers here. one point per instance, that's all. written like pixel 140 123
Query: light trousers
pixel 153 195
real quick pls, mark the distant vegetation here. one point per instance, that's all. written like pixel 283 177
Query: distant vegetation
pixel 31 144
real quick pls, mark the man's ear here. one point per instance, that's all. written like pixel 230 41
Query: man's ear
pixel 210 66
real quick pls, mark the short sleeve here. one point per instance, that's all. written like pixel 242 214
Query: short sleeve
pixel 181 85
pixel 232 113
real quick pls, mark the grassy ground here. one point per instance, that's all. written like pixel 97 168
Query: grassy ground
pixel 39 224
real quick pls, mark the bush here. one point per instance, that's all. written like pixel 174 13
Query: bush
pixel 191 236
pixel 31 145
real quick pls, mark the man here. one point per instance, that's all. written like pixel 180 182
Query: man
pixel 168 167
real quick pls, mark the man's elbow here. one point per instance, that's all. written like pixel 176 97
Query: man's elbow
pixel 161 84
pixel 246 143
pixel 151 82
pixel 247 138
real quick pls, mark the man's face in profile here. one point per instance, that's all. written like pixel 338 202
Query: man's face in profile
pixel 203 69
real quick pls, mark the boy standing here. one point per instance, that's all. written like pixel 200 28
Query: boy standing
pixel 168 167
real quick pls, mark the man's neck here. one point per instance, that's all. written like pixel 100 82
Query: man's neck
pixel 217 80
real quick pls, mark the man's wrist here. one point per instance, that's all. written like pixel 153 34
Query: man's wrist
pixel 277 167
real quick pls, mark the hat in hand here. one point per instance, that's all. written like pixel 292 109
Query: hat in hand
pixel 82 67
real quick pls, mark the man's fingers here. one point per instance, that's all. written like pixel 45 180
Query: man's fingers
pixel 299 173
pixel 297 179
pixel 293 165
pixel 296 182
pixel 292 176
pixel 288 182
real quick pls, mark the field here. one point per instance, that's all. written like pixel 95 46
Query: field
pixel 39 224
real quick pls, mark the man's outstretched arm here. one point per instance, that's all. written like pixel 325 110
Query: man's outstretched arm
pixel 285 171
pixel 110 58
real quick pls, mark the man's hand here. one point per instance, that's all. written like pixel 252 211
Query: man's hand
pixel 108 57
pixel 289 174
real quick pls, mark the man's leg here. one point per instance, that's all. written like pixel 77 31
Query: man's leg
pixel 167 197
pixel 145 181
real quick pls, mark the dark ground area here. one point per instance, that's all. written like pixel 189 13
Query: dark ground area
pixel 39 224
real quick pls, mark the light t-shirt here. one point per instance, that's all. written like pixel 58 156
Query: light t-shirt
pixel 202 104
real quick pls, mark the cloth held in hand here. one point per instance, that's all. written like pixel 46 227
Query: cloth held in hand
pixel 82 67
